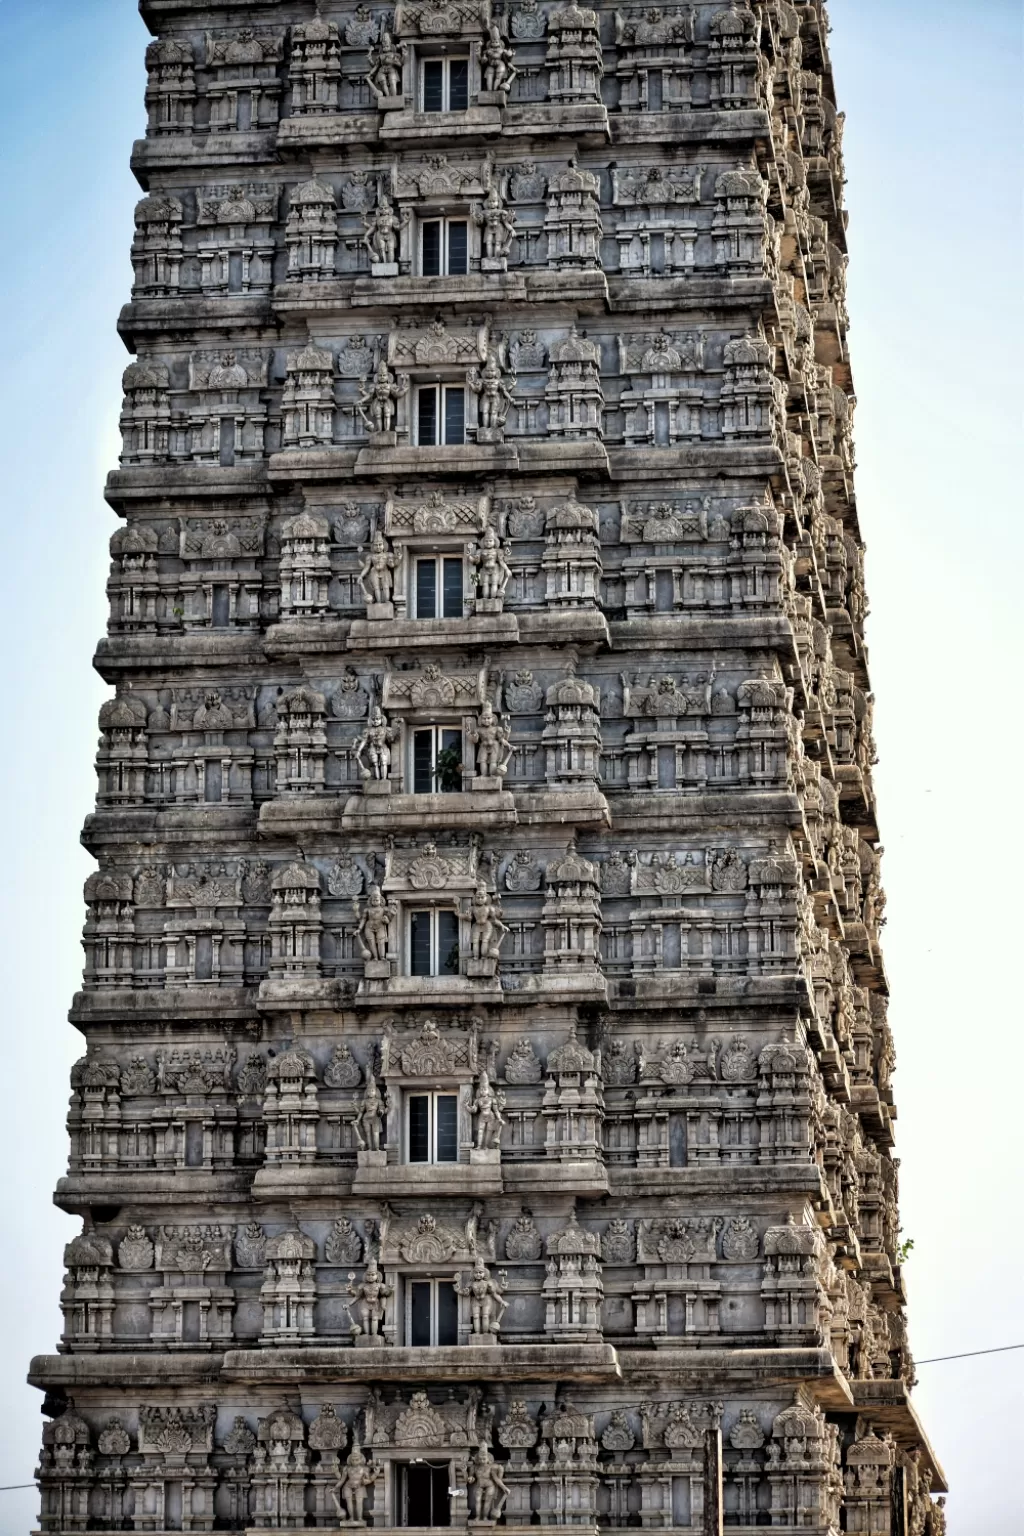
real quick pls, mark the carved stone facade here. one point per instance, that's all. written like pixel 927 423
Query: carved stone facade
pixel 486 1112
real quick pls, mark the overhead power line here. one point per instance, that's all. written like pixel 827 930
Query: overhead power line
pixel 969 1354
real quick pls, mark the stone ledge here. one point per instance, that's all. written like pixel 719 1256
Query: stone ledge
pixel 176 1004
pixel 434 634
pixel 327 129
pixel 77 1193
pixel 889 1406
pixel 478 288
pixel 587 1178
pixel 701 457
pixel 119 653
pixel 707 126
pixel 193 311
pixel 696 290
pixel 568 807
pixel 464 1362
pixel 691 1368
pixel 467 810
pixel 764 627
pixel 564 626
pixel 180 477
pixel 717 1180
pixel 467 459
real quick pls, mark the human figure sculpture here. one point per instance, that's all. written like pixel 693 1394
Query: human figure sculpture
pixel 497 222
pixel 373 748
pixel 373 930
pixel 377 406
pixel 384 76
pixel 492 739
pixel 486 928
pixel 349 1493
pixel 497 56
pixel 382 225
pixel 487 1304
pixel 370 1296
pixel 491 1489
pixel 367 1118
pixel 487 1106
pixel 376 577
pixel 488 559
pixel 493 395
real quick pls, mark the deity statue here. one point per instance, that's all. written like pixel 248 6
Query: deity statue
pixel 493 741
pixel 375 578
pixel 489 560
pixel 367 1118
pixel 370 1296
pixel 487 1304
pixel 491 1490
pixel 493 395
pixel 373 748
pixel 497 222
pixel 499 71
pixel 373 930
pixel 377 406
pixel 486 927
pixel 487 1106
pixel 349 1493
pixel 384 76
pixel 382 225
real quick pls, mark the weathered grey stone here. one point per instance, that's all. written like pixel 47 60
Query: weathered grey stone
pixel 487 1062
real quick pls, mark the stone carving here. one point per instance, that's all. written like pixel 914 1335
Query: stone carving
pixel 372 750
pixel 522 1065
pixel 343 1245
pixel 523 1241
pixel 349 1494
pixel 135 1251
pixel 486 1108
pixel 644 374
pixel 369 1111
pixel 485 1477
pixel 369 1299
pixel 486 1297
pixel 384 76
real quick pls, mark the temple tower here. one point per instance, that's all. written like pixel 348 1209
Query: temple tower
pixel 485 1113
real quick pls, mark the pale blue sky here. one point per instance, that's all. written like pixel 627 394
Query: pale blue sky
pixel 931 91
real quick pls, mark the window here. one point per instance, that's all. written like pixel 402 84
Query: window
pixel 423 1493
pixel 434 942
pixel 432 1128
pixel 444 247
pixel 438 587
pixel 431 1313
pixel 440 414
pixel 445 85
pixel 436 763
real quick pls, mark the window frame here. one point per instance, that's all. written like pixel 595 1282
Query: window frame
pixel 446 63
pixel 440 390
pixel 438 557
pixel 401 1490
pixel 444 254
pixel 436 1283
pixel 438 731
pixel 432 1095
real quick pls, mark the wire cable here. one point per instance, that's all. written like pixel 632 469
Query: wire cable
pixel 969 1354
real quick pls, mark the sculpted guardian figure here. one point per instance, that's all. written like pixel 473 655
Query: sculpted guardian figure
pixel 370 1296
pixel 487 1304
pixel 486 927
pixel 384 76
pixel 373 748
pixel 493 741
pixel 373 931
pixel 349 1493
pixel 376 577
pixel 493 395
pixel 367 1118
pixel 491 1488
pixel 377 406
pixel 489 561
pixel 487 1106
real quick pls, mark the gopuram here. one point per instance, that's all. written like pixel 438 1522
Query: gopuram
pixel 485 1115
